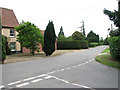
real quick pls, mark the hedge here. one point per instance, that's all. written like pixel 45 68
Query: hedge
pixel 84 44
pixel 114 44
pixel 72 44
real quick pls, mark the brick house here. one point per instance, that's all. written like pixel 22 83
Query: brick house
pixel 8 22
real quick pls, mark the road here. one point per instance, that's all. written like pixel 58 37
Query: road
pixel 71 70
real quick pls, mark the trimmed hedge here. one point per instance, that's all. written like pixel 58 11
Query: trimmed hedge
pixel 84 44
pixel 72 44
pixel 93 44
pixel 114 44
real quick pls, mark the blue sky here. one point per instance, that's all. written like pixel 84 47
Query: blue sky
pixel 66 13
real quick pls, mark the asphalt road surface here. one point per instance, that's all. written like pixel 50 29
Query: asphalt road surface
pixel 71 70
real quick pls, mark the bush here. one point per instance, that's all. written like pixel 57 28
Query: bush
pixel 115 47
pixel 93 44
pixel 8 49
pixel 84 44
pixel 68 45
pixel 72 44
pixel 3 49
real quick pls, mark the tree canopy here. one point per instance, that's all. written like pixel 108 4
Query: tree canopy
pixel 92 37
pixel 78 36
pixel 49 39
pixel 29 36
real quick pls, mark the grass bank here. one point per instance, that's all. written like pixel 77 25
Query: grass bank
pixel 107 59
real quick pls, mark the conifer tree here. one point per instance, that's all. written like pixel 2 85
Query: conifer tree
pixel 114 16
pixel 61 32
pixel 49 39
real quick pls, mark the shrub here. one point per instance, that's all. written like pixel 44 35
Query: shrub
pixel 93 44
pixel 84 44
pixel 68 45
pixel 3 49
pixel 8 49
pixel 115 47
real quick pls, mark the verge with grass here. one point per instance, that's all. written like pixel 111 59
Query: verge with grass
pixel 107 50
pixel 108 60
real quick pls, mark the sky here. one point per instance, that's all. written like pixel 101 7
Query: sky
pixel 66 13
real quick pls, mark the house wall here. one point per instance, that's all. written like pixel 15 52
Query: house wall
pixel 6 32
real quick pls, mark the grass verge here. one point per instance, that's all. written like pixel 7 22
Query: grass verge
pixel 107 50
pixel 108 60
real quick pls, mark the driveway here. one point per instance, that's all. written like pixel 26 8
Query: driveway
pixel 70 70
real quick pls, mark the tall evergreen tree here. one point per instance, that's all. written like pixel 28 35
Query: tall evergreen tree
pixel 49 39
pixel 61 32
pixel 114 16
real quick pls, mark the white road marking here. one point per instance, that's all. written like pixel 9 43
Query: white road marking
pixel 62 70
pixel 37 80
pixel 47 77
pixel 14 83
pixel 2 86
pixel 83 86
pixel 42 75
pixel 29 78
pixel 68 68
pixel 23 84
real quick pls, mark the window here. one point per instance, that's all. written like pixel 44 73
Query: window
pixel 12 46
pixel 12 33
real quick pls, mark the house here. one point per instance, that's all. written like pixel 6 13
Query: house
pixel 8 22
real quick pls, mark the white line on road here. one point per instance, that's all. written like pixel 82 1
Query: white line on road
pixel 42 75
pixel 29 78
pixel 14 83
pixel 48 77
pixel 37 80
pixel 2 86
pixel 23 84
pixel 83 86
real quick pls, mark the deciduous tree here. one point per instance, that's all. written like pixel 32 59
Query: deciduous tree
pixel 29 36
pixel 78 36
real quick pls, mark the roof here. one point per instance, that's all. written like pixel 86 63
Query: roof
pixel 8 18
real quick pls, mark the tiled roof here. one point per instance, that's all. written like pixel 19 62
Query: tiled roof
pixel 8 18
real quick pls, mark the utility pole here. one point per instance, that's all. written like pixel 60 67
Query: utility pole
pixel 82 28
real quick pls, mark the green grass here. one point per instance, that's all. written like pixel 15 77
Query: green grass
pixel 108 60
pixel 106 51
pixel 93 44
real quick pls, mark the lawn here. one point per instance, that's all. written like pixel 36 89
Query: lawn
pixel 108 60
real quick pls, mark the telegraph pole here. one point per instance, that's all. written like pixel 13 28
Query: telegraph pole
pixel 82 28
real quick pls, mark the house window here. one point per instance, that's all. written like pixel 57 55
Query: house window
pixel 12 46
pixel 12 33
